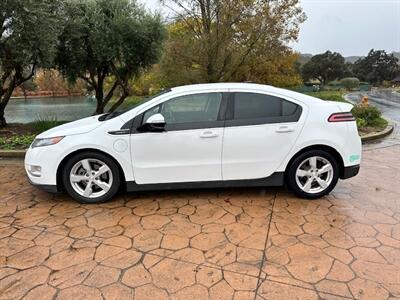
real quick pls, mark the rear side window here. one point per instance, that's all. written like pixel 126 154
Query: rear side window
pixel 261 108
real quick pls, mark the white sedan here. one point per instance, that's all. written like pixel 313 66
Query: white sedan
pixel 210 135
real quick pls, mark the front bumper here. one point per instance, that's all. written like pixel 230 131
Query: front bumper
pixel 350 171
pixel 45 187
pixel 46 160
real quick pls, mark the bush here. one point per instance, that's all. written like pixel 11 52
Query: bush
pixel 361 123
pixel 350 83
pixel 368 116
pixel 16 142
pixel 368 113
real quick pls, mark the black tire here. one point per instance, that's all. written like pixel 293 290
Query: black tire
pixel 116 182
pixel 291 174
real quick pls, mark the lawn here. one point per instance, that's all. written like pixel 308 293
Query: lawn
pixel 328 95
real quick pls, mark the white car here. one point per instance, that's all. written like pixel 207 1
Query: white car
pixel 209 135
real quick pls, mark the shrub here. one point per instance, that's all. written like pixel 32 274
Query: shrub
pixel 16 142
pixel 361 123
pixel 368 116
pixel 350 83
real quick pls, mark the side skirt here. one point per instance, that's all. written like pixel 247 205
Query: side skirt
pixel 275 179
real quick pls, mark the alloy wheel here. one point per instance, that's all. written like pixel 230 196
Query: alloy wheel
pixel 314 175
pixel 91 178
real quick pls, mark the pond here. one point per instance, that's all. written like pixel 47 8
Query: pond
pixel 59 108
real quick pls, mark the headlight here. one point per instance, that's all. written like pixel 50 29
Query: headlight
pixel 46 142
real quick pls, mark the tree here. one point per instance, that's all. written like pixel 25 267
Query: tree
pixel 108 41
pixel 212 40
pixel 376 67
pixel 350 83
pixel 278 70
pixel 28 36
pixel 325 67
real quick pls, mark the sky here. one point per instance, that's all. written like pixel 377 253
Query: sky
pixel 351 27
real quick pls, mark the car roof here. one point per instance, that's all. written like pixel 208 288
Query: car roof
pixel 247 87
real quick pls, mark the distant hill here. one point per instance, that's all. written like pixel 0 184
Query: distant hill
pixel 305 57
pixel 352 59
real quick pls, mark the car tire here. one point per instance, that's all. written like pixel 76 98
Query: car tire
pixel 313 174
pixel 98 171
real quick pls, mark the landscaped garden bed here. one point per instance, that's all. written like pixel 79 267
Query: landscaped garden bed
pixel 20 136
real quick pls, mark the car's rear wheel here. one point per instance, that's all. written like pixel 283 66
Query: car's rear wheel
pixel 313 174
pixel 91 177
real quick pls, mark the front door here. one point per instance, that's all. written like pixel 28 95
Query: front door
pixel 189 150
pixel 260 130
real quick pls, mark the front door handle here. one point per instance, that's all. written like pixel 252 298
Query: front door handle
pixel 208 134
pixel 284 128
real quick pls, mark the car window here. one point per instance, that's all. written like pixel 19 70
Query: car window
pixel 189 109
pixel 150 112
pixel 256 106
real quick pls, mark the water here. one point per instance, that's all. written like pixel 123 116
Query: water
pixel 60 108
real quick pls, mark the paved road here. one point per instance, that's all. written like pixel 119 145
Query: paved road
pixel 205 244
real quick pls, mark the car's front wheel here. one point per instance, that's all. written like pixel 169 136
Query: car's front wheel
pixel 91 177
pixel 313 174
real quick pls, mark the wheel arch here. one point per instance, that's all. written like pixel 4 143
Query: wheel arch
pixel 61 165
pixel 329 149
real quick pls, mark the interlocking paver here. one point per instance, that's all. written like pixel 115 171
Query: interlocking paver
pixel 212 244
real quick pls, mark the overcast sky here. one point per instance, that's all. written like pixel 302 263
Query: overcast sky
pixel 351 27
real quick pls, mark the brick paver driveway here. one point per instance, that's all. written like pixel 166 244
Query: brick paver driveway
pixel 218 244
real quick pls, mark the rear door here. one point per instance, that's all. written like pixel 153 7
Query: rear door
pixel 260 130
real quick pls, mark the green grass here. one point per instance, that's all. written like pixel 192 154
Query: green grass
pixel 43 124
pixel 128 103
pixel 16 142
pixel 328 95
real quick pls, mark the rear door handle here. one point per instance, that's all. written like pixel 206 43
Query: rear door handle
pixel 208 134
pixel 284 128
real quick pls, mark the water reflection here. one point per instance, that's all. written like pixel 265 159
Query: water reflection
pixel 61 108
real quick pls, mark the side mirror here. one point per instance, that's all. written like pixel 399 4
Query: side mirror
pixel 155 123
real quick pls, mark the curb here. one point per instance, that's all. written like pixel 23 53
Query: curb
pixel 12 153
pixel 378 135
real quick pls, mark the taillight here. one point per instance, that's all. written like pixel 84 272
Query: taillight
pixel 341 117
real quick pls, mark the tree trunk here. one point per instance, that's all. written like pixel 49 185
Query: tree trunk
pixel 99 107
pixel 119 102
pixel 99 98
pixel 3 122
pixel 3 103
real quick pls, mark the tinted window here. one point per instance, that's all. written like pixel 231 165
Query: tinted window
pixel 189 109
pixel 255 106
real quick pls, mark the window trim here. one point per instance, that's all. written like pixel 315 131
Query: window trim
pixel 230 113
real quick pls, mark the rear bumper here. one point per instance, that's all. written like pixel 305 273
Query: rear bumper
pixel 350 171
